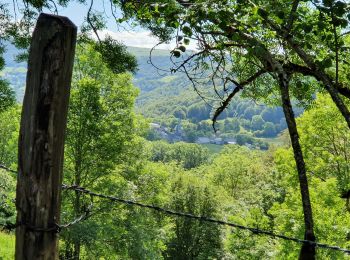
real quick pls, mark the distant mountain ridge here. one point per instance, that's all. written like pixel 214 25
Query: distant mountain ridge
pixel 146 78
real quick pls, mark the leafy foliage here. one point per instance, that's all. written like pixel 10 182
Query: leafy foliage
pixel 7 95
pixel 116 56
pixel 325 136
pixel 187 155
pixel 9 135
pixel 248 187
pixel 99 129
pixel 7 196
pixel 244 45
pixel 194 239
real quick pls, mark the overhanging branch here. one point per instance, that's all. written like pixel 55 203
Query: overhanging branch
pixel 239 86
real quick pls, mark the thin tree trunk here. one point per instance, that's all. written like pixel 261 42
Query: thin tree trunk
pixel 307 251
pixel 331 86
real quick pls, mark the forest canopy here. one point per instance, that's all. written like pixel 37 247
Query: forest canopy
pixel 282 53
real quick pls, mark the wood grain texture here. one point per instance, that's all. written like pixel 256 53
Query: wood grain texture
pixel 41 140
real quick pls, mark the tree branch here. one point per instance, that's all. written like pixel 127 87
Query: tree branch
pixel 239 86
pixel 329 84
pixel 292 15
pixel 88 18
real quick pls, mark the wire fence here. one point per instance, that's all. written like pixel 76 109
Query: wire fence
pixel 254 231
pixel 7 169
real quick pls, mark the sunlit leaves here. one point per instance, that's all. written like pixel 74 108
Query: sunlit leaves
pixel 325 136
pixel 100 130
pixel 116 56
pixel 7 96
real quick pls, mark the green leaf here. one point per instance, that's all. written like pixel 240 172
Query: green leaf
pixel 281 14
pixel 307 28
pixel 327 63
pixel 176 53
pixel 187 30
pixel 328 3
pixel 262 13
pixel 321 25
pixel 182 48
pixel 339 8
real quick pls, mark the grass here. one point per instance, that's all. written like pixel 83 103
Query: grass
pixel 277 141
pixel 213 148
pixel 7 246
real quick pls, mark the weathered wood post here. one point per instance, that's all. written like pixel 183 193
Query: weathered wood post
pixel 41 140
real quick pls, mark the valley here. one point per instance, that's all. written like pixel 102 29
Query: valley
pixel 176 112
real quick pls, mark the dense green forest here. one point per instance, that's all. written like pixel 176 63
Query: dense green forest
pixel 249 187
pixel 277 167
pixel 170 101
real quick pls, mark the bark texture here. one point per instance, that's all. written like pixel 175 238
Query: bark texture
pixel 41 140
pixel 307 251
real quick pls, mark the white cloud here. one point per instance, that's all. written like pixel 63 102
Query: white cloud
pixel 142 39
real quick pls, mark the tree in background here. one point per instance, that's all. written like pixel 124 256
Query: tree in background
pixel 9 128
pixel 187 155
pixel 7 196
pixel 269 130
pixel 326 141
pixel 324 137
pixel 194 239
pixel 9 135
pixel 248 187
pixel 7 94
pixel 257 122
pixel 100 127
pixel 277 43
pixel 231 125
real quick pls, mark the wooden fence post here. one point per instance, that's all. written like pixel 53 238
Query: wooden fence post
pixel 41 140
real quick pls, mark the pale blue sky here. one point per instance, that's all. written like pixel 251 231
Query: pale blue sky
pixel 77 11
pixel 130 36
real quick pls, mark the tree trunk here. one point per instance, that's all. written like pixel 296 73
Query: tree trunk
pixel 307 251
pixel 76 254
pixel 41 140
pixel 330 85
